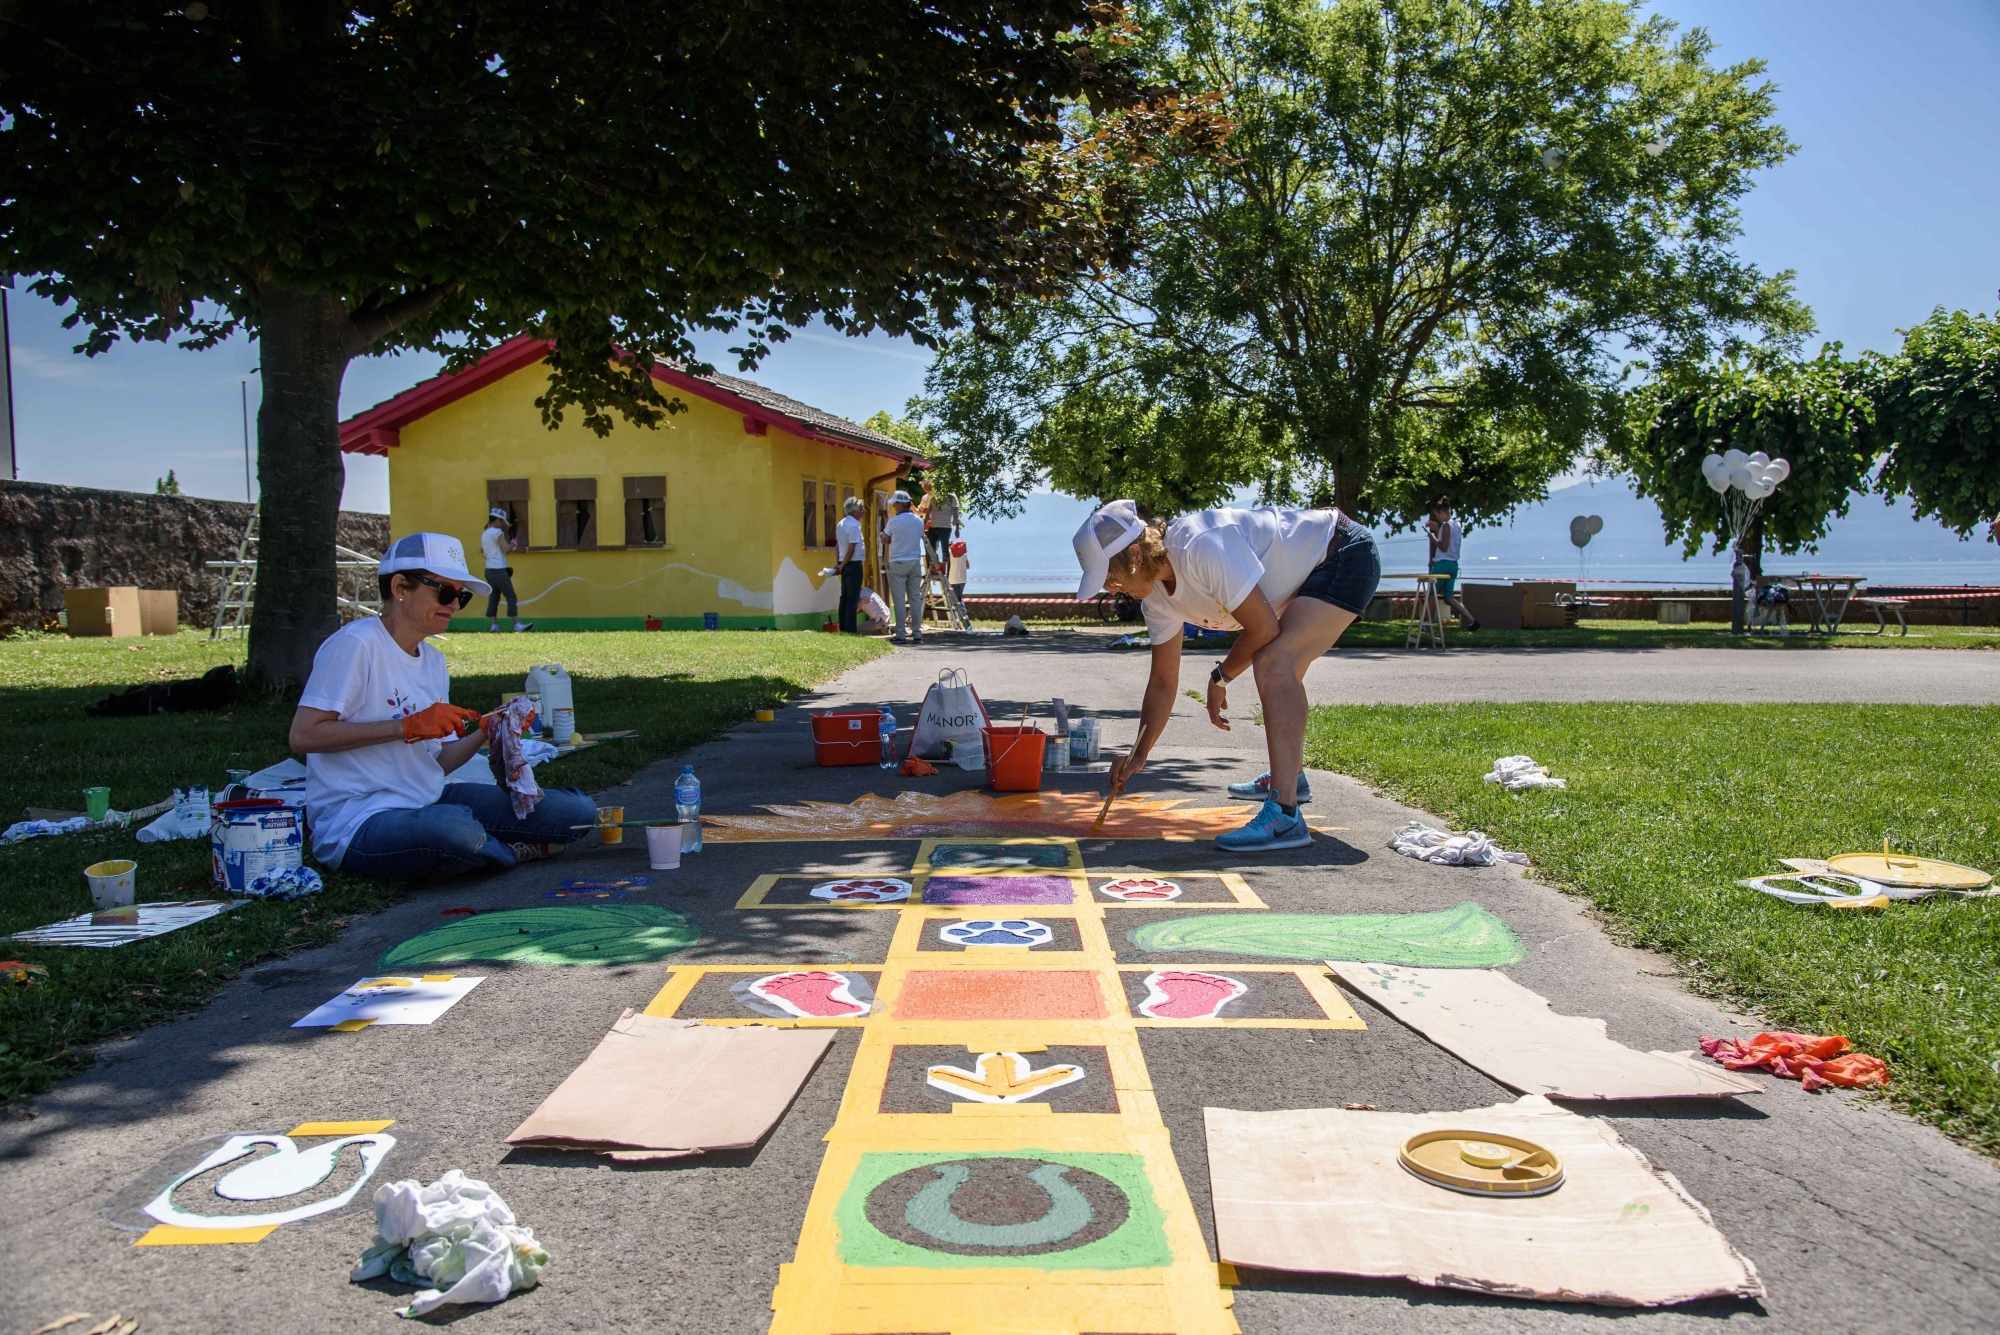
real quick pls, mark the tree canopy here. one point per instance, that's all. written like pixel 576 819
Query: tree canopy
pixel 1937 413
pixel 349 178
pixel 1432 238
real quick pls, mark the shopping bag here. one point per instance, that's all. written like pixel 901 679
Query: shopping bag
pixel 950 721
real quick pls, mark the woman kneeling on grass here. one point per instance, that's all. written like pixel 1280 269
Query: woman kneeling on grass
pixel 379 735
pixel 1290 580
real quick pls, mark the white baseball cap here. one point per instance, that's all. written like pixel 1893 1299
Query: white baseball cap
pixel 439 553
pixel 496 513
pixel 1104 535
pixel 900 498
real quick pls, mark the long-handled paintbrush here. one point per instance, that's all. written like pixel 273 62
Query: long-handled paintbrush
pixel 1097 825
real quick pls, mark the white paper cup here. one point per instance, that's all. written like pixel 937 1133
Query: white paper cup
pixel 113 883
pixel 663 846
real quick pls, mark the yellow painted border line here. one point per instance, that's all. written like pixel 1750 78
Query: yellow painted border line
pixel 340 1128
pixel 173 1235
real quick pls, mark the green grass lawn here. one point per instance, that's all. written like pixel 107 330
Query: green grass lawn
pixel 1668 805
pixel 677 689
pixel 1606 633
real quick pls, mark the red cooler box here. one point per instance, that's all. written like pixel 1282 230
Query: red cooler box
pixel 847 737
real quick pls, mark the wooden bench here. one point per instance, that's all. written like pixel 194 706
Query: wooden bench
pixel 1884 608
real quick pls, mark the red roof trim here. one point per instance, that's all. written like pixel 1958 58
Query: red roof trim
pixel 379 429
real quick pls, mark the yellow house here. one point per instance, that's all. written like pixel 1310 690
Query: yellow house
pixel 725 512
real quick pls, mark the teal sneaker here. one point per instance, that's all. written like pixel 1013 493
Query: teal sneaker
pixel 1259 789
pixel 1268 831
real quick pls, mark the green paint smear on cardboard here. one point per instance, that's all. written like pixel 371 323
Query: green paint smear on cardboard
pixel 1139 1243
pixel 1465 937
pixel 558 934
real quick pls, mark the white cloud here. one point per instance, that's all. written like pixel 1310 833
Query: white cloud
pixel 71 368
pixel 865 345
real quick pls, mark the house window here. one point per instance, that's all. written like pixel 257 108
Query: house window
pixel 812 514
pixel 576 512
pixel 829 513
pixel 645 512
pixel 510 494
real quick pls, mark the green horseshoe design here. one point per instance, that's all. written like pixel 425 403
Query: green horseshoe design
pixel 929 1211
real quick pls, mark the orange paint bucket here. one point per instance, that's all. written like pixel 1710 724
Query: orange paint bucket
pixel 1014 758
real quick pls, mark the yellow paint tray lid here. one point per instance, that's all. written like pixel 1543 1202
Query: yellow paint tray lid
pixel 1886 868
pixel 1482 1163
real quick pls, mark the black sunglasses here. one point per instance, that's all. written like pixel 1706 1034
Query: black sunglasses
pixel 447 593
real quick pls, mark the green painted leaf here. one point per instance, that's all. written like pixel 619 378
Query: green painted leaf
pixel 560 934
pixel 1464 937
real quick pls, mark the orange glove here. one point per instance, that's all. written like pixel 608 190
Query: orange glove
pixel 442 719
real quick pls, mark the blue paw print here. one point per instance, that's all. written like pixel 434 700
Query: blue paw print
pixel 996 932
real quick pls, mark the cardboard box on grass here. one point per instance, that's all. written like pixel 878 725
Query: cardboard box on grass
pixel 1522 605
pixel 113 611
pixel 159 611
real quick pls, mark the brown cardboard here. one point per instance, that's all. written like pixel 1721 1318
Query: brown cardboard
pixel 112 611
pixel 1487 1019
pixel 1320 1191
pixel 1522 605
pixel 658 1088
pixel 159 612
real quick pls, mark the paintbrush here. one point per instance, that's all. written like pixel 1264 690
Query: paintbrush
pixel 1097 825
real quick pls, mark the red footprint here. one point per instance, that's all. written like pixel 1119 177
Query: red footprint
pixel 1141 887
pixel 813 994
pixel 1173 994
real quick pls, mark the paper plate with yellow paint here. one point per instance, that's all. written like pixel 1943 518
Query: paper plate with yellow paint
pixel 1899 869
pixel 1482 1163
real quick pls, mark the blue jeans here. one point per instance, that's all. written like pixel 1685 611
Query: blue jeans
pixel 471 826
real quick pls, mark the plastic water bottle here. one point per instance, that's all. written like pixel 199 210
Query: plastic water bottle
pixel 687 809
pixel 886 731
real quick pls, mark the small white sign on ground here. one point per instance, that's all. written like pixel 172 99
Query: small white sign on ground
pixel 393 999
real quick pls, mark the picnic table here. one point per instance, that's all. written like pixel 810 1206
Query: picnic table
pixel 1825 597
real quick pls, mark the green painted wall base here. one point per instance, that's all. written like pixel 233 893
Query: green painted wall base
pixel 763 621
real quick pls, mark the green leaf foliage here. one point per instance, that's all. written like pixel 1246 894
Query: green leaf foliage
pixel 1938 411
pixel 1422 238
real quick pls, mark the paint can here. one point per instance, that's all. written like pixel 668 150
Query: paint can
pixel 609 830
pixel 113 884
pixel 663 847
pixel 254 838
pixel 711 621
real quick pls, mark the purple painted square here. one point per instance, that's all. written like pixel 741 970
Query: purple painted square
pixel 999 890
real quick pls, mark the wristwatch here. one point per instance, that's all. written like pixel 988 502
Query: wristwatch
pixel 1215 676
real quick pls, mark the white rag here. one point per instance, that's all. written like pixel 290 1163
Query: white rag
pixel 1517 772
pixel 456 1231
pixel 32 829
pixel 1420 841
pixel 513 757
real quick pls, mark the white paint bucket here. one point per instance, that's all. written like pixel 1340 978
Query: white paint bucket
pixel 113 884
pixel 254 838
pixel 663 846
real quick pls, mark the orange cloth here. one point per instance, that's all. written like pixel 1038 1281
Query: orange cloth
pixel 1815 1061
pixel 916 767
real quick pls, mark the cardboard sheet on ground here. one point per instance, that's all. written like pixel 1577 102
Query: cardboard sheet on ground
pixel 657 1088
pixel 1492 1022
pixel 1320 1191
pixel 410 999
pixel 118 927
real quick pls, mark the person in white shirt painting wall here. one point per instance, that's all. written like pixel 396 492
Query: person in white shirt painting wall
pixel 903 536
pixel 495 545
pixel 1446 537
pixel 1290 581
pixel 847 560
pixel 381 739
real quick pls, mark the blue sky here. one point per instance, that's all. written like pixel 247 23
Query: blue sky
pixel 1891 206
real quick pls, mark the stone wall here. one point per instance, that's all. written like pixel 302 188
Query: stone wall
pixel 54 538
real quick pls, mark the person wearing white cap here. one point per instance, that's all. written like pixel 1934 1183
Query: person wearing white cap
pixel 903 535
pixel 1289 580
pixel 380 734
pixel 495 544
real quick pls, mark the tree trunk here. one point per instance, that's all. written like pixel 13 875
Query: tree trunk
pixel 305 344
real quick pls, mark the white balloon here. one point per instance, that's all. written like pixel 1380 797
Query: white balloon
pixel 1739 477
pixel 1779 470
pixel 1760 458
pixel 1735 458
pixel 1718 482
pixel 1760 488
pixel 1713 464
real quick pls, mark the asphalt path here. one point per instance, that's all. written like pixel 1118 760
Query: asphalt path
pixel 1856 1218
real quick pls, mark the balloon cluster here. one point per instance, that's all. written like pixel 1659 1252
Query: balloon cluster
pixel 1743 481
pixel 1583 528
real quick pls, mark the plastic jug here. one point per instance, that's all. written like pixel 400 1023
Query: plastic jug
pixel 552 685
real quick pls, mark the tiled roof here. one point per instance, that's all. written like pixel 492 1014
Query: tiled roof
pixel 804 412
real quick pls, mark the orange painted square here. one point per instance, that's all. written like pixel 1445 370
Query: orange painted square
pixel 1000 994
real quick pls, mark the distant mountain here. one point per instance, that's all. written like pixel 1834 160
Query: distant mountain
pixel 1880 542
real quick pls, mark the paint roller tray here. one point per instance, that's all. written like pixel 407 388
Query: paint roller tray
pixel 1482 1163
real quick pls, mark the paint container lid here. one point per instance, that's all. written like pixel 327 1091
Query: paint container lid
pixel 1886 868
pixel 1482 1163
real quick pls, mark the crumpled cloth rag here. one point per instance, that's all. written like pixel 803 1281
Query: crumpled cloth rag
pixel 31 829
pixel 1517 772
pixel 509 753
pixel 916 767
pixel 457 1232
pixel 1473 849
pixel 1813 1060
pixel 291 883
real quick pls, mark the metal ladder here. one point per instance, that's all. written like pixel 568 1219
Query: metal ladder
pixel 357 593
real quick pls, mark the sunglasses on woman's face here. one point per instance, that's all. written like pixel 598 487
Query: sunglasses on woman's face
pixel 447 593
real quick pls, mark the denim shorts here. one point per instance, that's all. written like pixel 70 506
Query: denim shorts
pixel 1350 572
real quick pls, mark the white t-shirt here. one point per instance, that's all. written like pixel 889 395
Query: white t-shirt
pixel 906 536
pixel 1219 556
pixel 493 542
pixel 847 540
pixel 1449 538
pixel 363 675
